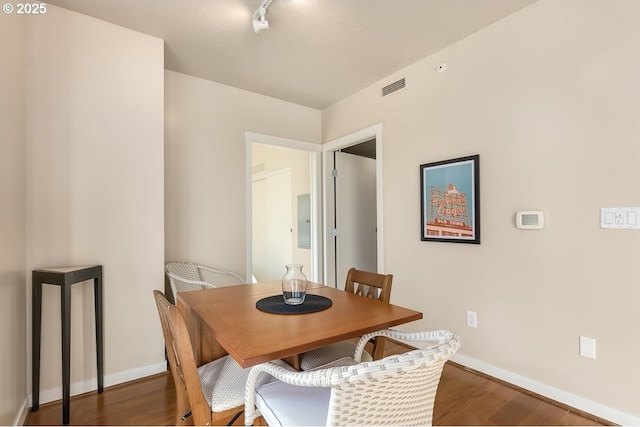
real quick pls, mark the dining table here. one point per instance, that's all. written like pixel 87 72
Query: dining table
pixel 227 320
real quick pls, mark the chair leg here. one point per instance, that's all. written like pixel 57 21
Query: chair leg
pixel 234 416
pixel 183 410
pixel 185 416
pixel 259 421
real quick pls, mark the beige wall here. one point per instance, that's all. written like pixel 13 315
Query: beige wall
pixel 94 191
pixel 13 334
pixel 205 173
pixel 550 99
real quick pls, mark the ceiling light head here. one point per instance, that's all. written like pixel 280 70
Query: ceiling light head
pixel 260 23
pixel 260 16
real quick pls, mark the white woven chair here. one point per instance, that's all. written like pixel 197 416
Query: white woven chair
pixel 396 390
pixel 212 393
pixel 187 276
pixel 366 284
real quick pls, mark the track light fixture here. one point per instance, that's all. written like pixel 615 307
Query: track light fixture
pixel 260 21
pixel 260 16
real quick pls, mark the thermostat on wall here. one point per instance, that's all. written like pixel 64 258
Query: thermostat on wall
pixel 530 220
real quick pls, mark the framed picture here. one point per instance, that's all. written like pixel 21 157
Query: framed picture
pixel 450 200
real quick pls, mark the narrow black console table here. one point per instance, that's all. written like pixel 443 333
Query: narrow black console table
pixel 64 277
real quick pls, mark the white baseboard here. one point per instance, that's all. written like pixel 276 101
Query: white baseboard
pixel 22 413
pixel 580 403
pixel 80 387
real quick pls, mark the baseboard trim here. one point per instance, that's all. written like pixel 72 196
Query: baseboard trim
pixel 580 403
pixel 81 387
pixel 22 413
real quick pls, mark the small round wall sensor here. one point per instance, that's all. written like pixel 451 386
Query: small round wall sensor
pixel 442 67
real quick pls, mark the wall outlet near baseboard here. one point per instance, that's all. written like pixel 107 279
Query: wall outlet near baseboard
pixel 588 347
pixel 472 319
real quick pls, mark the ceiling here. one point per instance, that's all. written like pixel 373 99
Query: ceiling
pixel 315 52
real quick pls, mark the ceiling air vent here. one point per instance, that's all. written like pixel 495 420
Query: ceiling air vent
pixel 393 87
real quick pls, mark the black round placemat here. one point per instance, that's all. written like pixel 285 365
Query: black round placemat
pixel 275 304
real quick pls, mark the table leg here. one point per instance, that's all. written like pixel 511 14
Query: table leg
pixel 294 361
pixel 205 347
pixel 65 304
pixel 97 289
pixel 36 324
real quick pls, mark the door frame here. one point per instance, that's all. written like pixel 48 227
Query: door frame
pixel 328 148
pixel 316 212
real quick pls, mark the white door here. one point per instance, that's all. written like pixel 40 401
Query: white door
pixel 272 225
pixel 355 214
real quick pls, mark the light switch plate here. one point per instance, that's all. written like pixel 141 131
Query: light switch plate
pixel 622 218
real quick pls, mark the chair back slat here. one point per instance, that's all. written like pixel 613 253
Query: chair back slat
pixel 371 285
pixel 368 284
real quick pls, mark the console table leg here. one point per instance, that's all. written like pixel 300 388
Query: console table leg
pixel 97 289
pixel 36 324
pixel 65 302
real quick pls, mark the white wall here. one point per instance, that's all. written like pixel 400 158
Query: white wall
pixel 13 387
pixel 550 99
pixel 205 129
pixel 94 190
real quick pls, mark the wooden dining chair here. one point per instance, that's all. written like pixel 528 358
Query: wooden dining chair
pixel 397 390
pixel 187 276
pixel 212 393
pixel 365 284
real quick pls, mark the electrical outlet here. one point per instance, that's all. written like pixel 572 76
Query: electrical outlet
pixel 472 319
pixel 621 218
pixel 588 347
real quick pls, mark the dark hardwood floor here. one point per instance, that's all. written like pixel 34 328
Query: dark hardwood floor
pixel 464 397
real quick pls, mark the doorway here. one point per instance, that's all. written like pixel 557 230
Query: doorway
pixel 355 218
pixel 283 186
pixel 353 204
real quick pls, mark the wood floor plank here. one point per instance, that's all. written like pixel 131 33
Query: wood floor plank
pixel 148 401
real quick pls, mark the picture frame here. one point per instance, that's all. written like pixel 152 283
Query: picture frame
pixel 450 200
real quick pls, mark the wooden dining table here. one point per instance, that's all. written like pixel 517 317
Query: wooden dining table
pixel 225 320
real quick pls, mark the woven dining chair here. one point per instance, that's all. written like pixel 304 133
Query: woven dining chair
pixel 366 284
pixel 212 393
pixel 188 276
pixel 396 390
